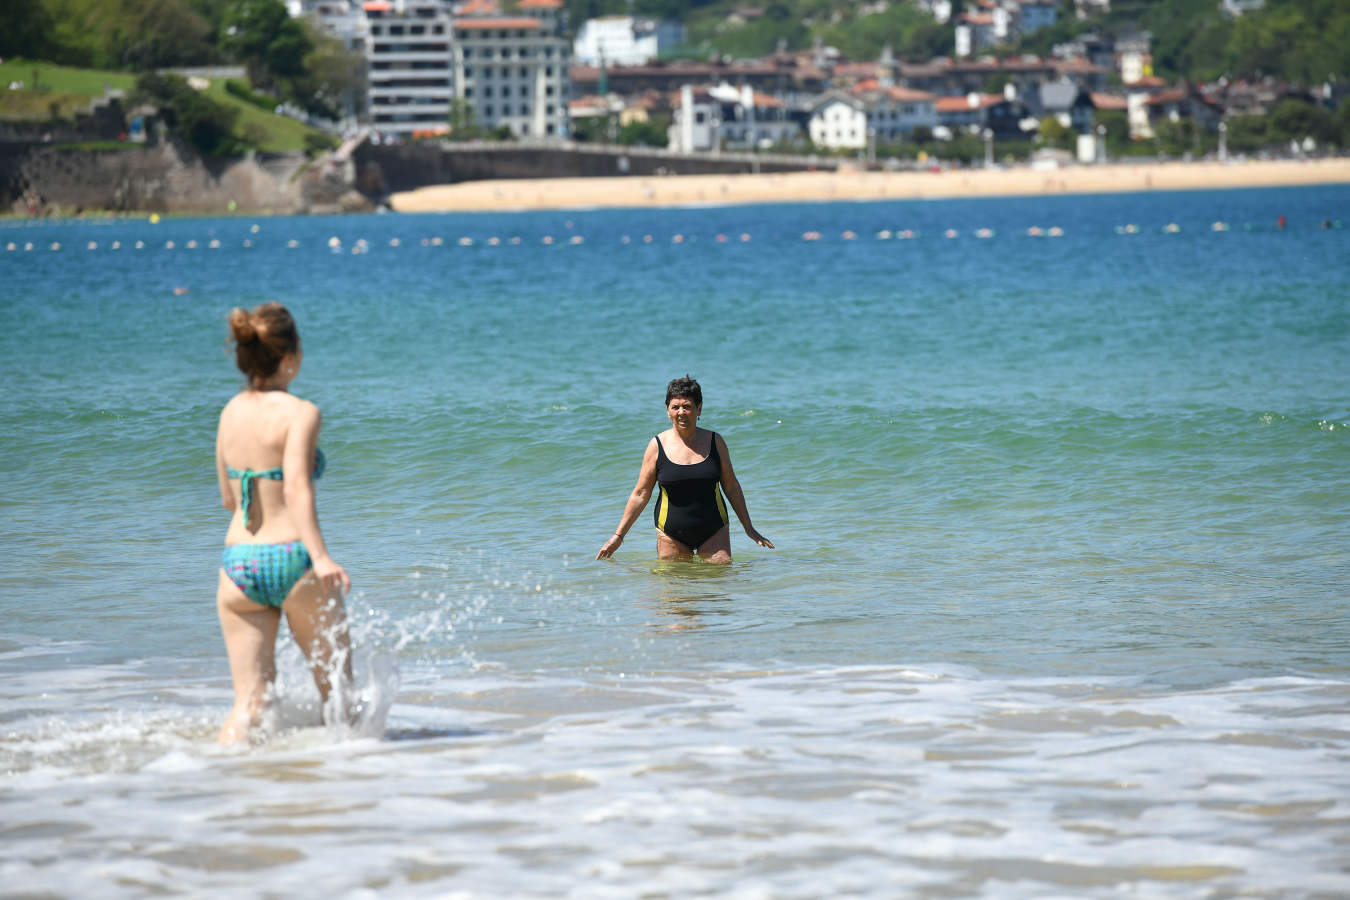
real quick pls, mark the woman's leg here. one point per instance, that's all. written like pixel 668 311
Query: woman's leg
pixel 250 631
pixel 318 620
pixel 669 548
pixel 717 549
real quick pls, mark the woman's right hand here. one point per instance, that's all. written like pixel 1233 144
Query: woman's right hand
pixel 611 545
pixel 332 576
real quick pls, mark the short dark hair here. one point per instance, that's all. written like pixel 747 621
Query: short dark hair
pixel 684 387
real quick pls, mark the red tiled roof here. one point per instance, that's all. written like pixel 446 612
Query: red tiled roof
pixel 377 6
pixel 481 24
pixel 476 7
pixel 1077 64
pixel 1173 95
pixel 856 68
pixel 540 4
pixel 1108 101
pixel 961 104
pixel 907 95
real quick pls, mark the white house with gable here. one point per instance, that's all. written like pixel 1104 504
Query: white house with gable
pixel 838 121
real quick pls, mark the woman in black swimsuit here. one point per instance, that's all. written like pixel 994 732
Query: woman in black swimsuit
pixel 687 464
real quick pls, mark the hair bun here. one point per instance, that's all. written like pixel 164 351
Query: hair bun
pixel 241 326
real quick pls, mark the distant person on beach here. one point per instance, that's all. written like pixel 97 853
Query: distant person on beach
pixel 686 464
pixel 275 561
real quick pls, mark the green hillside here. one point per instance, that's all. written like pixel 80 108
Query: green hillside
pixel 49 89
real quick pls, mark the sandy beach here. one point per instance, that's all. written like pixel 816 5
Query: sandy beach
pixel 699 190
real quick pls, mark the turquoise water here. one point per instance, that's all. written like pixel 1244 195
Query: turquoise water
pixel 1058 605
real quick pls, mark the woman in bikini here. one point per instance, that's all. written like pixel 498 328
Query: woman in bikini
pixel 275 561
pixel 687 464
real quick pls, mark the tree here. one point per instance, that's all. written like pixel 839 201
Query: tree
pixel 1294 120
pixel 463 125
pixel 263 36
pixel 1340 123
pixel 1053 133
pixel 192 116
pixel 24 28
pixel 1117 125
pixel 154 34
pixel 1247 134
pixel 643 134
pixel 333 83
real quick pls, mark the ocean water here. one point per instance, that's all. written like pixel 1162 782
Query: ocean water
pixel 1058 606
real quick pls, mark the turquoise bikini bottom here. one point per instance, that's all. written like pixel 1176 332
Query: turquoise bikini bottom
pixel 266 572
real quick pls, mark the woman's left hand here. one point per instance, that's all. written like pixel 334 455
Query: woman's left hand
pixel 758 538
pixel 331 575
pixel 610 546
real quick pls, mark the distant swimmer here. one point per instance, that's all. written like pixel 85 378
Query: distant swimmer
pixel 275 560
pixel 690 468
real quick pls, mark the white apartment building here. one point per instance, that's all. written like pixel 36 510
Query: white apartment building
pixel 624 40
pixel 409 73
pixel 423 56
pixel 513 71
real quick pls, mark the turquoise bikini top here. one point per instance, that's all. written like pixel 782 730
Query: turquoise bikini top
pixel 246 477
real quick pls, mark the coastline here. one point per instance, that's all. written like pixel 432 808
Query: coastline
pixel 852 185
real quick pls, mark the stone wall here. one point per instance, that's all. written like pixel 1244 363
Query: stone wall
pixel 39 178
pixel 405 167
pixel 46 180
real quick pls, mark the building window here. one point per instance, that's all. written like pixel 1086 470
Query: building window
pixel 376 30
pixel 468 71
pixel 524 72
pixel 438 29
pixel 548 71
pixel 548 90
pixel 506 90
pixel 549 109
pixel 395 29
pixel 487 111
pixel 468 92
pixel 487 72
pixel 487 91
pixel 468 53
pixel 506 53
pixel 506 73
pixel 417 29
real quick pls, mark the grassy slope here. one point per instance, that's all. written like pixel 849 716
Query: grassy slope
pixel 71 89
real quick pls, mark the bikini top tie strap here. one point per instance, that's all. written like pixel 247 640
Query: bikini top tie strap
pixel 247 476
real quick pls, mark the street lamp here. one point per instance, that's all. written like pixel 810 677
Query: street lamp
pixel 1223 142
pixel 988 135
pixel 1101 143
